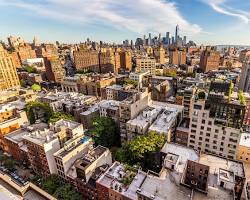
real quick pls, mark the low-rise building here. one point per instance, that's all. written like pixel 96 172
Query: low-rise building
pixel 243 153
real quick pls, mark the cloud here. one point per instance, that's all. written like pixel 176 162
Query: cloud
pixel 221 7
pixel 138 16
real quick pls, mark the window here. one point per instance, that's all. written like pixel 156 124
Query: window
pixel 203 121
pixel 221 149
pixel 195 113
pixel 201 133
pixel 202 127
pixel 232 140
pixel 207 145
pixel 207 140
pixel 192 136
pixel 194 120
pixel 204 115
pixel 194 126
pixel 193 131
pixel 198 107
pixel 233 134
pixel 208 134
pixel 222 143
pixel 200 138
pixel 210 123
pixel 216 131
pixel 216 136
pixel 208 129
pixel 191 141
pixel 214 147
pixel 215 142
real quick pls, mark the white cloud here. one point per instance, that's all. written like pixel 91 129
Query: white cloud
pixel 221 7
pixel 139 16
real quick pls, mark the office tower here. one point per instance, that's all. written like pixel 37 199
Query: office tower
pixel 36 42
pixel 159 54
pixel 159 39
pixel 245 77
pixel 131 43
pixel 8 74
pixel 149 39
pixel 209 60
pixel 172 42
pixel 167 38
pixel 184 40
pixel 176 34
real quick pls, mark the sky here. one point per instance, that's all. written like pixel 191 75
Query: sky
pixel 72 21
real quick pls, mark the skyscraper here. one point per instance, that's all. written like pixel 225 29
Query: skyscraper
pixel 176 34
pixel 159 38
pixel 245 77
pixel 184 40
pixel 8 74
pixel 149 39
pixel 167 37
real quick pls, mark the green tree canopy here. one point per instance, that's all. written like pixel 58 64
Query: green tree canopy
pixel 128 81
pixel 30 69
pixel 51 183
pixel 31 106
pixel 59 115
pixel 105 132
pixel 36 87
pixel 67 192
pixel 201 95
pixel 241 97
pixel 134 152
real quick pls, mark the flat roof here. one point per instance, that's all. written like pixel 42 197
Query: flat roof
pixel 245 140
pixel 112 104
pixel 165 187
pixel 184 153
pixel 215 163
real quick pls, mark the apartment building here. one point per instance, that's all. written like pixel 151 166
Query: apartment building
pixel 243 153
pixel 215 127
pixel 42 144
pixel 209 60
pixel 11 120
pixel 109 108
pixel 15 144
pixel 130 108
pixel 8 74
pixel 146 64
pixel 88 169
pixel 73 149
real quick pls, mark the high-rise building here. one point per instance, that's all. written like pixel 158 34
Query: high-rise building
pixel 8 74
pixel 159 54
pixel 184 40
pixel 210 60
pixel 146 64
pixel 178 56
pixel 126 60
pixel 167 37
pixel 176 34
pixel 149 39
pixel 245 77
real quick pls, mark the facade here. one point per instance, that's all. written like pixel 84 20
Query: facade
pixel 126 60
pixel 130 108
pixel 54 69
pixel 243 153
pixel 43 144
pixel 25 52
pixel 15 144
pixel 159 54
pixel 208 134
pixel 88 169
pixel 209 60
pixel 138 76
pixel 244 55
pixel 244 83
pixel 146 64
pixel 11 120
pixel 73 149
pixel 177 56
pixel 109 108
pixel 8 74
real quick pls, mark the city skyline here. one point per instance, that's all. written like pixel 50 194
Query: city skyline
pixel 113 21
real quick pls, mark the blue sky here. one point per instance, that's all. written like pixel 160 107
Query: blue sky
pixel 204 21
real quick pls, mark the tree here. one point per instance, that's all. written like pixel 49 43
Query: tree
pixel 105 132
pixel 31 106
pixel 201 95
pixel 67 192
pixel 22 83
pixel 10 164
pixel 30 69
pixel 36 87
pixel 241 97
pixel 3 158
pixel 51 183
pixel 59 115
pixel 139 149
pixel 128 81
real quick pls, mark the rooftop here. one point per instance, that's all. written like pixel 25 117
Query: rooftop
pixel 245 140
pixel 184 154
pixel 109 104
pixel 164 188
